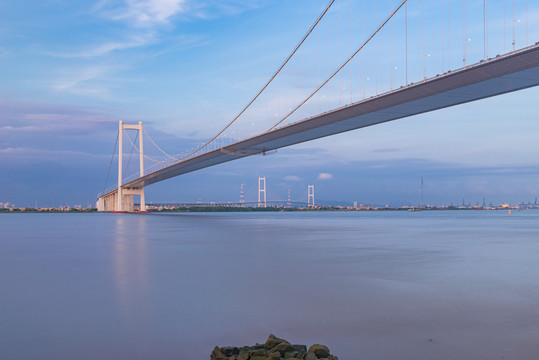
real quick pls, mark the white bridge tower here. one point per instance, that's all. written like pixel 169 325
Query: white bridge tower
pixel 310 196
pixel 262 192
pixel 122 199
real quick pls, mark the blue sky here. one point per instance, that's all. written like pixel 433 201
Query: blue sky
pixel 70 70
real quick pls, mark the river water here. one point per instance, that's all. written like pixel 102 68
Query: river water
pixel 370 285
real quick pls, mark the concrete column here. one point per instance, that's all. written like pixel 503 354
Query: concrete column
pixel 128 202
pixel 141 143
pixel 100 205
pixel 142 200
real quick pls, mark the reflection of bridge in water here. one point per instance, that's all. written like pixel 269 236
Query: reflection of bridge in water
pixel 275 118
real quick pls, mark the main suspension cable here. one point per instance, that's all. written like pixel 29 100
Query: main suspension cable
pixel 111 160
pixel 147 157
pixel 267 83
pixel 157 146
pixel 341 67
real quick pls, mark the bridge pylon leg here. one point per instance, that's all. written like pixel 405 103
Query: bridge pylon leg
pixel 100 204
pixel 142 200
pixel 120 161
pixel 141 159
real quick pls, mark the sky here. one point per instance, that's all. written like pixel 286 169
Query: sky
pixel 70 70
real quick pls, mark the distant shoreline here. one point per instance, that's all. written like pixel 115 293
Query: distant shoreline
pixel 220 209
pixel 344 209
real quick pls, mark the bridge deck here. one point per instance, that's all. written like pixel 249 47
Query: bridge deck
pixel 496 76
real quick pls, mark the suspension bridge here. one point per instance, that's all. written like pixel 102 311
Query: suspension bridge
pixel 359 64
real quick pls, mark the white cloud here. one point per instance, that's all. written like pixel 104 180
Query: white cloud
pixel 32 119
pixel 94 81
pixel 76 78
pixel 141 25
pixel 292 178
pixel 3 52
pixel 111 46
pixel 325 176
pixel 152 13
pixel 12 129
pixel 146 13
pixel 212 8
pixel 26 153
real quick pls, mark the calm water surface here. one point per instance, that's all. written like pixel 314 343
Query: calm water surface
pixel 395 285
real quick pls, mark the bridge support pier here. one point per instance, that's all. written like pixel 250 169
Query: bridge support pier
pixel 110 202
pixel 129 199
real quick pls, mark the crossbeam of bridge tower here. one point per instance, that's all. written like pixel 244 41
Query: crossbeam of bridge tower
pixel 262 192
pixel 310 195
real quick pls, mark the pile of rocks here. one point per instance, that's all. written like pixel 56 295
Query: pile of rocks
pixel 273 349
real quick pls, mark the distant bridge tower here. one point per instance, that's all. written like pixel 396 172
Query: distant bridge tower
pixel 422 203
pixel 310 195
pixel 289 202
pixel 242 195
pixel 123 198
pixel 262 192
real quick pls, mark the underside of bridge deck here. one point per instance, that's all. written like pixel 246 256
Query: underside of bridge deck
pixel 503 74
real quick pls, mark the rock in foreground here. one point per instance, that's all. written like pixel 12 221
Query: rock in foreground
pixel 273 349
